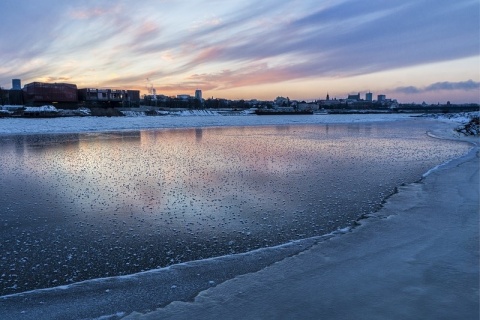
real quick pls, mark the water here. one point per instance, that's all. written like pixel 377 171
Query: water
pixel 83 206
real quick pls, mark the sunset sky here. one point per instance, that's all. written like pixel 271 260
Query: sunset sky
pixel 411 50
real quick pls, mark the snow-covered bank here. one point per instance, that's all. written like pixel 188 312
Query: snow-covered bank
pixel 467 122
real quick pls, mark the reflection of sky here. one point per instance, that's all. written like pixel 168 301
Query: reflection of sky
pixel 117 203
pixel 227 171
pixel 413 50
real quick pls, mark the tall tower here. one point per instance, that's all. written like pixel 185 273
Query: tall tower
pixel 16 84
pixel 198 94
pixel 328 97
pixel 369 96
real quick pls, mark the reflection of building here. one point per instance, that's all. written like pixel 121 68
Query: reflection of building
pixel 198 134
pixel 198 94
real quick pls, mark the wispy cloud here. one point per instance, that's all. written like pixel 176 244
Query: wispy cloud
pixel 468 85
pixel 463 85
pixel 254 74
pixel 350 38
pixel 92 12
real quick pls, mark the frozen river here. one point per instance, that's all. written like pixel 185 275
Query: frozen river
pixel 90 205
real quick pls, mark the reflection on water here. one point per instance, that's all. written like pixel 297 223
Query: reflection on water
pixel 198 134
pixel 82 206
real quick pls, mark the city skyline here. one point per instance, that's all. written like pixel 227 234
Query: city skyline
pixel 412 51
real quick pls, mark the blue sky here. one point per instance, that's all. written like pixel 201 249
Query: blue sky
pixel 412 50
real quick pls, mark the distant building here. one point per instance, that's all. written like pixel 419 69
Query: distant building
pixel 198 94
pixel 282 102
pixel 355 97
pixel 369 96
pixel 328 97
pixel 131 96
pixel 16 84
pixel 40 92
pixel 15 97
pixel 100 95
pixel 110 97
pixel 381 97
pixel 183 96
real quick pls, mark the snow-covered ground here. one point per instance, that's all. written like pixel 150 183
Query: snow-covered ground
pixel 417 258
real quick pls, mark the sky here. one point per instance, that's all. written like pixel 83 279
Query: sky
pixel 409 50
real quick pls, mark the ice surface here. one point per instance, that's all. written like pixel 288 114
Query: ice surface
pixel 109 204
pixel 417 258
pixel 142 291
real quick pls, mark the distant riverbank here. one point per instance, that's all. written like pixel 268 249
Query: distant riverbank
pixel 48 111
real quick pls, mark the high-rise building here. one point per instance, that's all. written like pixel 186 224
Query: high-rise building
pixel 198 94
pixel 369 96
pixel 16 84
pixel 381 97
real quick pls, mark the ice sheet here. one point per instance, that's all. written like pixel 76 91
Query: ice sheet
pixel 417 258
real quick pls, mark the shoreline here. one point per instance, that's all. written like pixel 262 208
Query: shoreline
pixel 291 255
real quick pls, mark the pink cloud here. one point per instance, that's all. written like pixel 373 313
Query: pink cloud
pixel 88 13
pixel 147 31
pixel 251 75
pixel 206 55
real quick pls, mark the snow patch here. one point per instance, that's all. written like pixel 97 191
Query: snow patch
pixel 41 109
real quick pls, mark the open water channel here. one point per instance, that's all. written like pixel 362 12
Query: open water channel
pixel 90 205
